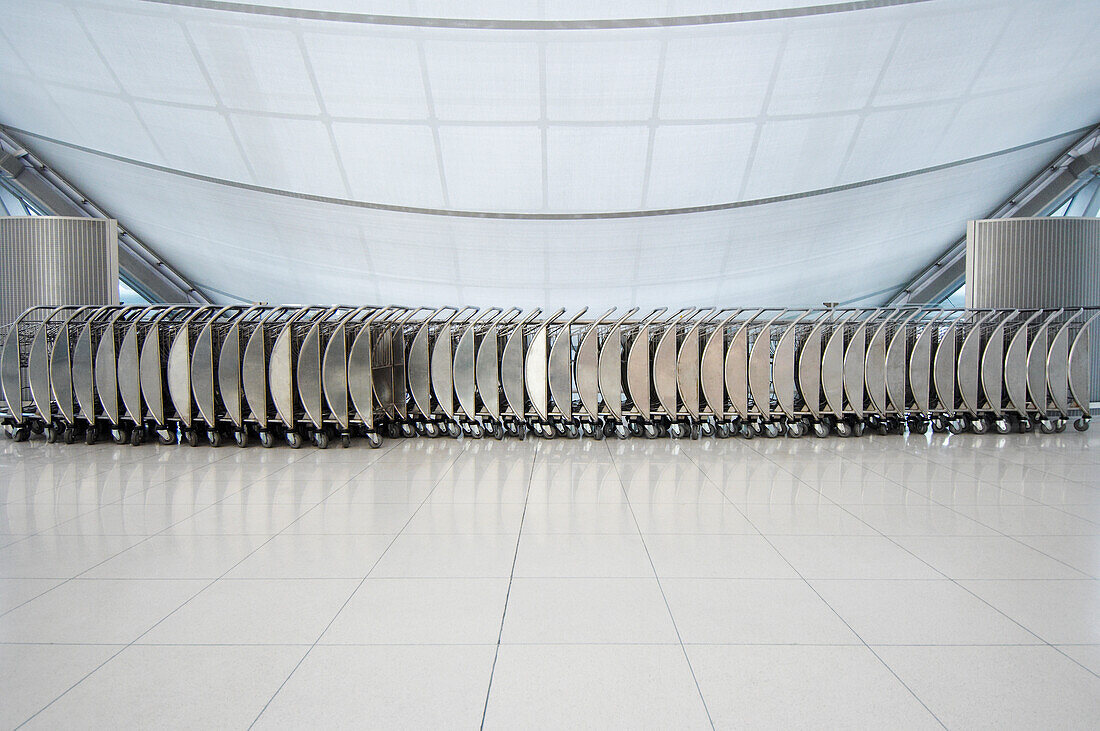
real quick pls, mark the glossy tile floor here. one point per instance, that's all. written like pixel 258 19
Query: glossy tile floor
pixel 884 581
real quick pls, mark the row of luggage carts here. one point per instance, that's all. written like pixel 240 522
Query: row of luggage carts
pixel 188 373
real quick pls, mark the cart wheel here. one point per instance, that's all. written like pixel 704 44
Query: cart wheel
pixel 477 431
pixel 68 435
pixel 572 431
pixel 796 429
pixel 843 429
pixel 1081 424
pixel 241 437
pixel 1001 426
pixel 345 440
pixel 1025 426
pixel 294 439
pixel 21 434
pixel 521 432
pixel 136 436
pixel 374 439
pixel 746 431
pixel 722 431
pixel 91 435
pixel 497 430
pixel 598 432
pixel 980 425
pixel 407 429
pixel 51 434
pixel 772 430
pixel 677 431
pixel 191 436
pixel 166 437
pixel 695 433
pixel 214 437
pixel 37 427
pixel 707 429
pixel 266 440
pixel 118 436
pixel 821 429
pixel 453 430
pixel 918 426
pixel 1060 425
pixel 1046 426
pixel 956 426
pixel 650 431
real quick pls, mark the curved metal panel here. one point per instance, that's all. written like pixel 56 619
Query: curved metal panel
pixel 1015 367
pixel 760 376
pixel 943 369
pixel 443 385
pixel 968 367
pixel 511 370
pixel 664 369
pixel 280 376
pixel 809 369
pixel 920 367
pixel 465 376
pixel 308 375
pixel 855 368
pixel 106 375
pixel 487 371
pixel 737 370
pixel 361 375
pixel 151 375
pixel 637 373
pixel 559 371
pixel 334 375
pixel 61 374
pixel 84 373
pixel 1058 367
pixel 687 371
pixel 896 366
pixel 38 372
pixel 783 375
pixel 179 375
pixel 611 372
pixel 419 369
pixel 832 370
pixel 535 371
pixel 129 373
pixel 587 371
pixel 1079 365
pixel 254 375
pixel 993 366
pixel 712 377
pixel 874 368
pixel 229 375
pixel 202 374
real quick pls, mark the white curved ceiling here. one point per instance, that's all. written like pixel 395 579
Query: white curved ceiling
pixel 549 152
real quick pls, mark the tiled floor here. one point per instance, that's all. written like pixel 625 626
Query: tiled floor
pixel 879 582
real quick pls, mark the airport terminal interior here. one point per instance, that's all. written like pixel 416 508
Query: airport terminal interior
pixel 549 364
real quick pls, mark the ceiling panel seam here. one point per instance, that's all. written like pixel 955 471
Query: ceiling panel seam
pixel 502 24
pixel 546 216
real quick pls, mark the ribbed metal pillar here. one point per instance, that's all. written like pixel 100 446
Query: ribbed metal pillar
pixel 53 260
pixel 1036 262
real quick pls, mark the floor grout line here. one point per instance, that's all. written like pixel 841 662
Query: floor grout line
pixel 664 596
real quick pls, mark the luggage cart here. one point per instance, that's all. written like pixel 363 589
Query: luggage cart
pixel 586 373
pixel 514 408
pixel 50 333
pixel 89 410
pixel 282 373
pixel 61 371
pixel 559 377
pixel 153 371
pixel 230 359
pixel 320 423
pixel 487 367
pixel 205 385
pixel 1079 368
pixel 182 335
pixel 447 333
pixel 107 386
pixel 712 376
pixel 255 370
pixel 639 343
pixel 347 374
pixel 15 374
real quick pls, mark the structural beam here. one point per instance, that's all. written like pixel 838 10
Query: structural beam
pixel 1068 173
pixel 150 275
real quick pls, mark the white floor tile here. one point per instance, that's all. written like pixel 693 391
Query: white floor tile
pixel 1020 520
pixel 336 517
pixel 470 518
pixel 559 518
pixel 998 687
pixel 594 686
pixel 293 556
pixel 691 518
pixel 176 556
pixel 1080 552
pixel 753 611
pixel 574 555
pixel 249 519
pixel 421 612
pixel 59 556
pixel 434 686
pixel 851 557
pixel 926 519
pixel 14 592
pixel 782 686
pixel 1086 655
pixel 105 611
pixel 826 519
pixel 1060 612
pixel 174 687
pixel 717 557
pixel 907 612
pixel 587 611
pixel 457 556
pixel 255 612
pixel 34 675
pixel 981 557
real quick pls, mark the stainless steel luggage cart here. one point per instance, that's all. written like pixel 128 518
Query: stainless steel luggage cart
pixel 441 370
pixel 89 409
pixel 230 359
pixel 51 333
pixel 182 336
pixel 487 372
pixel 592 413
pixel 639 343
pixel 712 374
pixel 420 361
pixel 355 400
pixel 22 416
pixel 259 333
pixel 107 386
pixel 283 372
pixel 153 370
pixel 309 344
pixel 205 383
pixel 62 361
pixel 561 419
pixel 676 368
pixel 477 372
pixel 128 367
pixel 514 406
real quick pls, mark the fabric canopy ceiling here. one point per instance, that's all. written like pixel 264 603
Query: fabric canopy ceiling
pixel 546 153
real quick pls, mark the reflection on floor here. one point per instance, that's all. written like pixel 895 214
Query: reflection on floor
pixel 882 581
